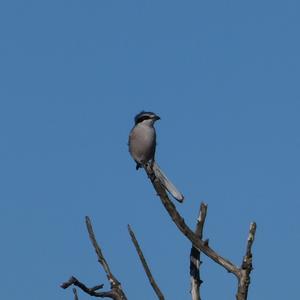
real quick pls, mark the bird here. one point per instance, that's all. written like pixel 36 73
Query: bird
pixel 142 147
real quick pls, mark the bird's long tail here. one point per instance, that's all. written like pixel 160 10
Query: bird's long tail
pixel 168 185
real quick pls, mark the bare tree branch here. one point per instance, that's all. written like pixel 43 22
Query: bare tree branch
pixel 242 273
pixel 75 294
pixel 91 291
pixel 99 253
pixel 180 223
pixel 195 256
pixel 145 265
pixel 116 291
pixel 246 267
pixel 115 284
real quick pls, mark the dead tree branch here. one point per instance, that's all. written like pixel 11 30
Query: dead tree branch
pixel 145 265
pixel 75 294
pixel 190 235
pixel 91 291
pixel 246 267
pixel 242 274
pixel 195 256
pixel 116 291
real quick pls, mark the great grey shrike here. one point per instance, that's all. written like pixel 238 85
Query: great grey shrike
pixel 142 145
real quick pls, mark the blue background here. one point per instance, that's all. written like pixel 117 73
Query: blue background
pixel 223 76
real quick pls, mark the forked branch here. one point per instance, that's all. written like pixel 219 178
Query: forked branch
pixel 190 235
pixel 116 291
pixel 242 273
pixel 91 291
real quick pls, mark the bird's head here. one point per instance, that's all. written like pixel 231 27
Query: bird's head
pixel 146 117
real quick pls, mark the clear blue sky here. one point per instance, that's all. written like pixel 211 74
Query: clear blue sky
pixel 223 76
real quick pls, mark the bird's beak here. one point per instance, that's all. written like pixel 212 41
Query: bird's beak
pixel 156 118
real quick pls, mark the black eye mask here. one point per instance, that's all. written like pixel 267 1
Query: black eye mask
pixel 143 115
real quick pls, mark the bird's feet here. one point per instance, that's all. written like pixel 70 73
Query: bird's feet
pixel 149 170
